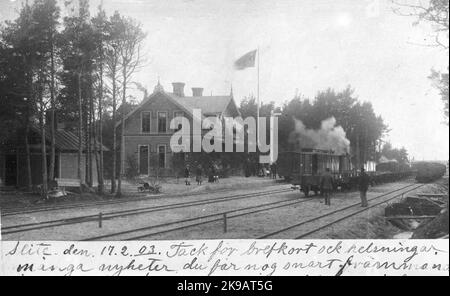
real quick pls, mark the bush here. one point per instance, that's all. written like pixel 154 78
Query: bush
pixel 132 169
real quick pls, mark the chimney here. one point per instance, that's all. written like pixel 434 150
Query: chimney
pixel 178 88
pixel 197 91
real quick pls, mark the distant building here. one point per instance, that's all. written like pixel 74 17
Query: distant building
pixel 147 127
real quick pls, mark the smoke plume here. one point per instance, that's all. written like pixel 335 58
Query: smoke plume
pixel 328 137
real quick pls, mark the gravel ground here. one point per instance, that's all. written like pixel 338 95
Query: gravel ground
pixel 255 225
pixel 20 199
pixel 88 229
pixel 106 208
pixel 373 225
pixel 248 226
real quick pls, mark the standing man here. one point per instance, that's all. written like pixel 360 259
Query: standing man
pixel 273 171
pixel 187 175
pixel 364 181
pixel 327 185
pixel 199 173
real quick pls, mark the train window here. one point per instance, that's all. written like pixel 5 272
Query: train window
pixel 335 164
pixel 307 167
pixel 314 164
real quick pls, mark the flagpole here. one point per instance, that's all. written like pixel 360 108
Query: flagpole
pixel 257 92
pixel 257 102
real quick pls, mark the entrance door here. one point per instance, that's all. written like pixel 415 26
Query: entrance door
pixel 143 159
pixel 162 156
pixel 10 170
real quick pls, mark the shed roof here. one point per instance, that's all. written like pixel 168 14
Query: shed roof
pixel 64 140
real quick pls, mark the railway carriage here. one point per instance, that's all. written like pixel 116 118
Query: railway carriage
pixel 391 171
pixel 305 168
pixel 429 171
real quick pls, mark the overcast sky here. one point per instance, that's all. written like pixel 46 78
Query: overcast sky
pixel 305 46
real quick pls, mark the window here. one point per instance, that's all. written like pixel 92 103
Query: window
pixel 178 114
pixel 145 122
pixel 143 159
pixel 162 156
pixel 162 122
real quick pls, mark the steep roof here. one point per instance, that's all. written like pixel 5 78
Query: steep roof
pixel 64 140
pixel 210 105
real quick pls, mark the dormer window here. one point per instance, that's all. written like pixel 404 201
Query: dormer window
pixel 145 121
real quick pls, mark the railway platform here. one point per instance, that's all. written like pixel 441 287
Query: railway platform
pixel 18 199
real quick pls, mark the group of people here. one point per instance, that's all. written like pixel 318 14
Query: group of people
pixel 213 175
pixel 327 186
pixel 270 171
pixel 198 175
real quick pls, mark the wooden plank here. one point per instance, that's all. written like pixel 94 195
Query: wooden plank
pixel 430 195
pixel 435 202
pixel 68 182
pixel 410 217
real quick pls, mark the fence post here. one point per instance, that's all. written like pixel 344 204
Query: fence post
pixel 100 220
pixel 224 222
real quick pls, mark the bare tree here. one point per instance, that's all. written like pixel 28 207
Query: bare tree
pixel 52 35
pixel 130 60
pixel 40 85
pixel 112 69
pixel 434 12
pixel 440 81
pixel 100 24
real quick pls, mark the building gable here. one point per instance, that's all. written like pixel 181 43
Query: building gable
pixel 231 110
pixel 155 103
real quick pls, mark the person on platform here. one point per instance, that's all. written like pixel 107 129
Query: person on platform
pixel 273 170
pixel 187 175
pixel 327 185
pixel 198 175
pixel 364 181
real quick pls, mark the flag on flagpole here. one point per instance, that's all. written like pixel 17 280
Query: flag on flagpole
pixel 246 61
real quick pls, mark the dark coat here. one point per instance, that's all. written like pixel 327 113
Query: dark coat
pixel 326 181
pixel 364 181
pixel 199 171
pixel 187 173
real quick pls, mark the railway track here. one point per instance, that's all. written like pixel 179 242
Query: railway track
pixel 130 212
pixel 273 235
pixel 163 228
pixel 26 210
pixel 140 233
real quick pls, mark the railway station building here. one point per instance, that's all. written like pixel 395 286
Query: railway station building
pixel 147 127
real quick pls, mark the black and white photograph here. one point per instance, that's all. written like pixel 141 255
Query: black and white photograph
pixel 191 137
